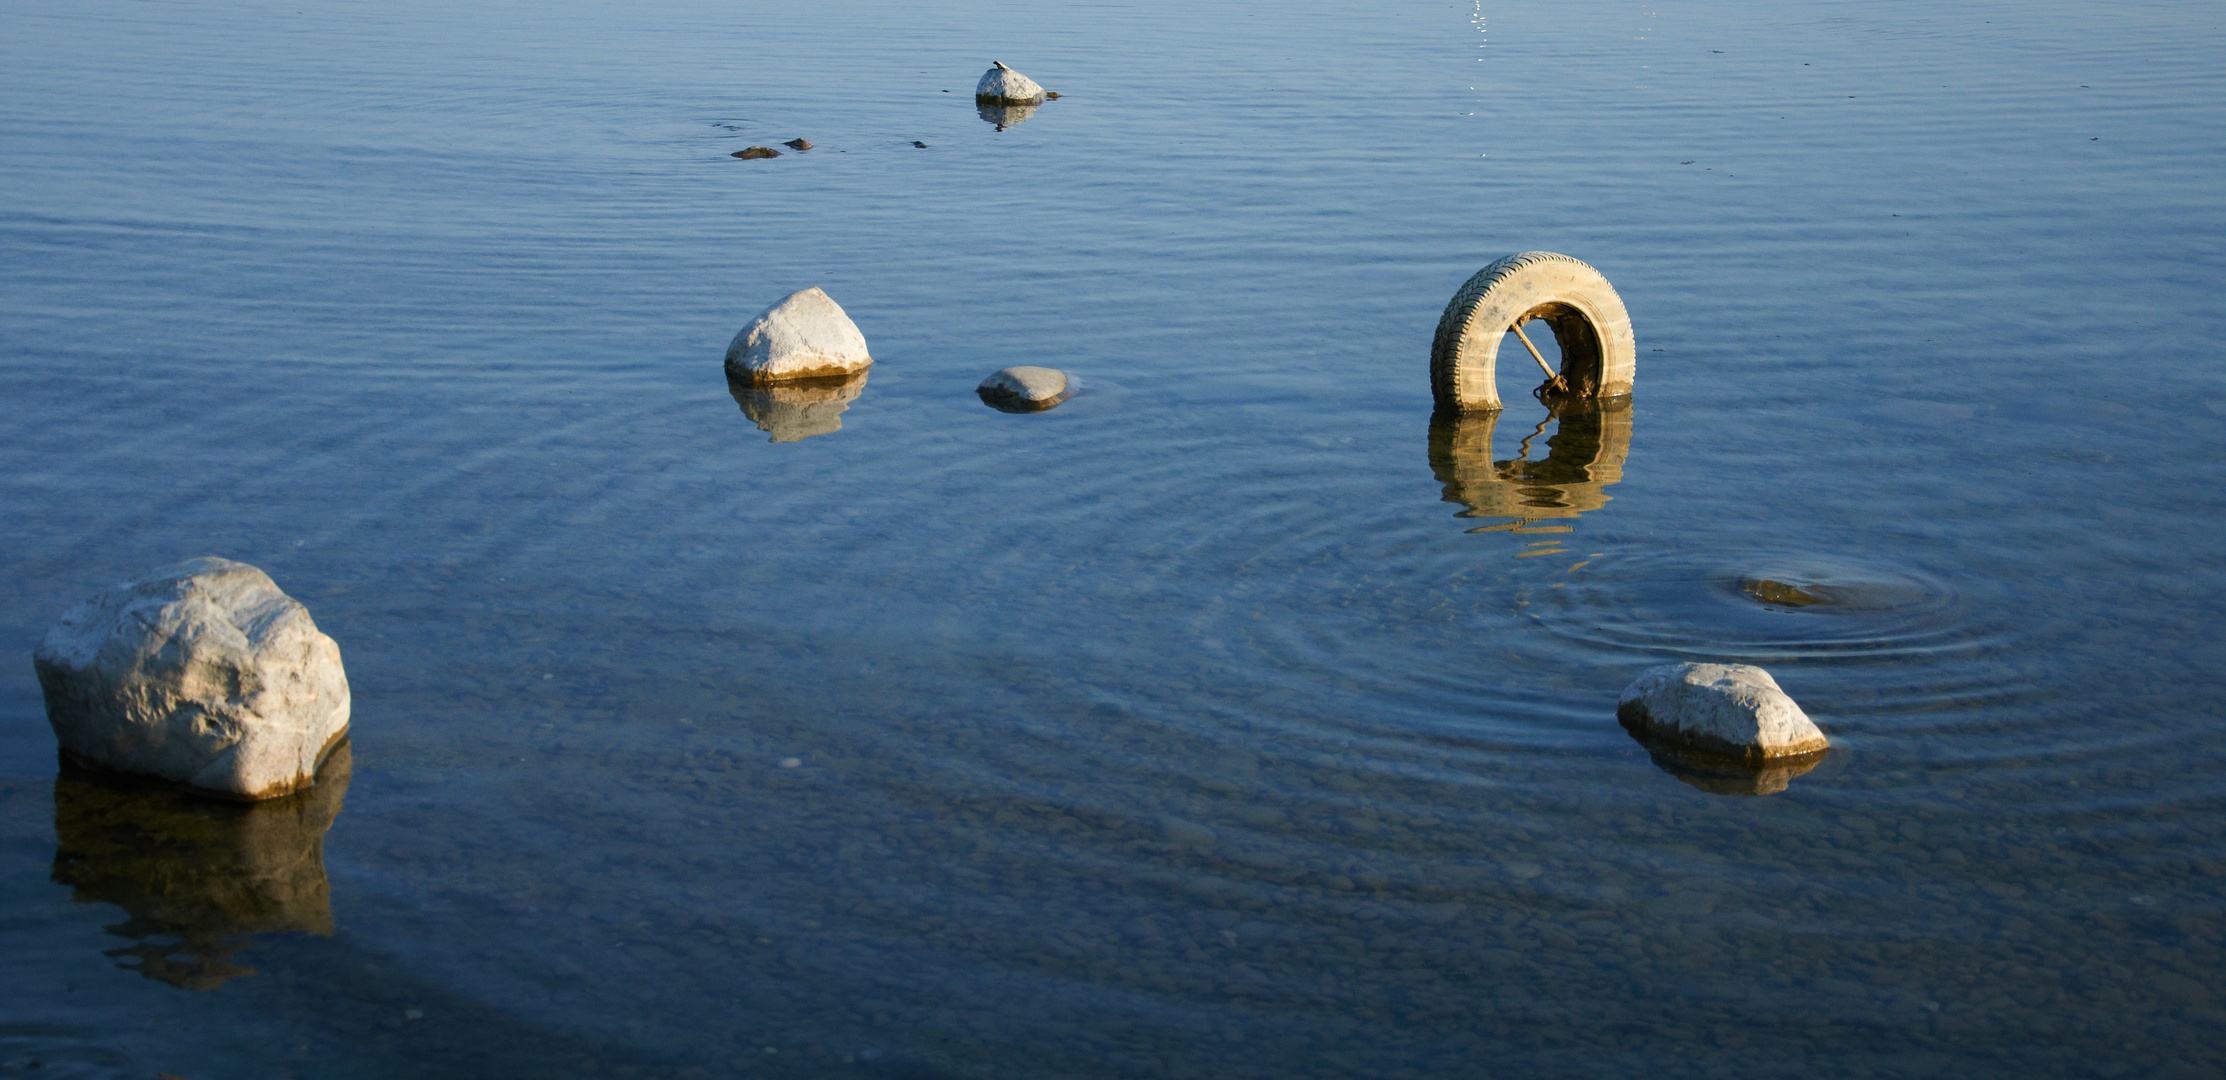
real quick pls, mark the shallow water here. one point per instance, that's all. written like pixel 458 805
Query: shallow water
pixel 1232 719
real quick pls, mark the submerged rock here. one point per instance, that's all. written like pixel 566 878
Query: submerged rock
pixel 1025 389
pixel 1816 584
pixel 798 409
pixel 1734 711
pixel 756 152
pixel 798 145
pixel 200 672
pixel 805 336
pixel 1002 85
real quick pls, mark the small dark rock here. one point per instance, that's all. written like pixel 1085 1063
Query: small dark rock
pixel 1051 95
pixel 919 144
pixel 798 144
pixel 757 152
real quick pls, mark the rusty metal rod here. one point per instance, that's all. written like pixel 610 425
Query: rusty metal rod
pixel 1525 338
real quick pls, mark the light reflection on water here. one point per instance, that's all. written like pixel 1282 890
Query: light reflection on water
pixel 1176 731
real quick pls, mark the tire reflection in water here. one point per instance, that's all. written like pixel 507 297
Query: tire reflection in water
pixel 1584 456
pixel 203 872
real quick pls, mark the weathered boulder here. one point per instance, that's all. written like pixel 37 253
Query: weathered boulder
pixel 1002 85
pixel 1732 710
pixel 805 336
pixel 799 409
pixel 200 672
pixel 1025 389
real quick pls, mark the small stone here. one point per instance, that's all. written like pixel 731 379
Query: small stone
pixel 919 144
pixel 798 145
pixel 1025 389
pixel 200 672
pixel 1002 85
pixel 805 336
pixel 1051 95
pixel 757 152
pixel 1733 710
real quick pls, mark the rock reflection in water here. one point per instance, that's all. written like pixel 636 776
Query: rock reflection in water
pixel 1721 775
pixel 1005 116
pixel 1583 457
pixel 199 870
pixel 792 411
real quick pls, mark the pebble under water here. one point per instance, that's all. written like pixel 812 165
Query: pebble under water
pixel 1234 718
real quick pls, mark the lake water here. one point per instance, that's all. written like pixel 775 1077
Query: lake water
pixel 1230 720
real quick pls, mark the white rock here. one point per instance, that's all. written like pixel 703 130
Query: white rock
pixel 1736 710
pixel 805 336
pixel 1002 85
pixel 201 672
pixel 1025 389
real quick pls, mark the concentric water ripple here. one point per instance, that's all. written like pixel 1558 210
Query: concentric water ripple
pixel 1758 606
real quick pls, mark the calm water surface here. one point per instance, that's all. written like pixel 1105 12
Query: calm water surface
pixel 1233 719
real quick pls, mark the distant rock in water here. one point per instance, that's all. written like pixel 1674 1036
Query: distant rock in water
pixel 1025 389
pixel 1732 711
pixel 202 673
pixel 1002 85
pixel 198 870
pixel 757 152
pixel 805 336
pixel 798 409
pixel 798 145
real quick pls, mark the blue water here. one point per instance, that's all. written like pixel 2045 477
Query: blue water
pixel 1223 721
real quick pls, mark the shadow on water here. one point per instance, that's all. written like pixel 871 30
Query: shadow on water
pixel 1584 456
pixel 1005 116
pixel 798 410
pixel 205 872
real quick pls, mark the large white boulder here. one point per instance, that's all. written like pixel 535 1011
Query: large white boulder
pixel 1002 85
pixel 1025 389
pixel 200 672
pixel 805 336
pixel 1734 710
